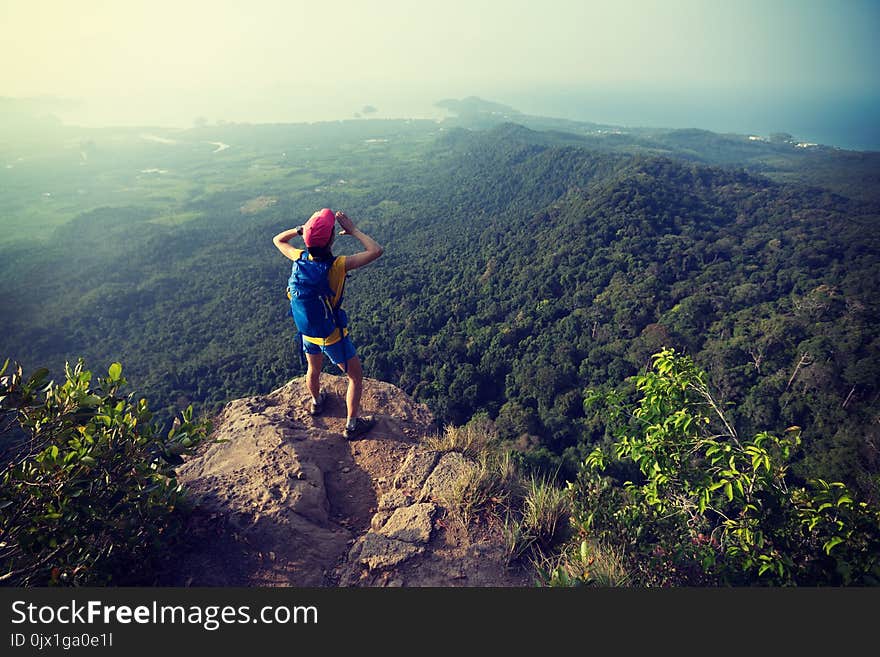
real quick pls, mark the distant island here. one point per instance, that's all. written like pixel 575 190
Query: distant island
pixel 476 105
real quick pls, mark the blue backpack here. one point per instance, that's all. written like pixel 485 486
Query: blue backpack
pixel 311 299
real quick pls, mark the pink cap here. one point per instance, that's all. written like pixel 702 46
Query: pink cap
pixel 319 228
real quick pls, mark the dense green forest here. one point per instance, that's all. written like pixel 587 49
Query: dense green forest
pixel 525 263
pixel 569 269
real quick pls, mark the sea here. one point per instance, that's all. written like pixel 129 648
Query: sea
pixel 845 120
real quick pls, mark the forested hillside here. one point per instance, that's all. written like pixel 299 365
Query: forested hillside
pixel 521 268
pixel 555 269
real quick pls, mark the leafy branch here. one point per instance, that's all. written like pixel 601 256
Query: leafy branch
pixel 90 493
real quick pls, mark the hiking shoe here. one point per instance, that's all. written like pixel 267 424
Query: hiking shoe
pixel 317 406
pixel 361 426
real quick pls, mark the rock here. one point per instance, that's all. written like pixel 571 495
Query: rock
pixel 380 551
pixel 354 551
pixel 415 469
pixel 393 499
pixel 263 514
pixel 449 476
pixel 410 523
pixel 308 497
pixel 379 519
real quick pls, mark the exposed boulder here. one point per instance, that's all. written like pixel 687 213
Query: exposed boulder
pixel 283 499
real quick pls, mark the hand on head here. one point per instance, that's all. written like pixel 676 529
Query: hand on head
pixel 344 222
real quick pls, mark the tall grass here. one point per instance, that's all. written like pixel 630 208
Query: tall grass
pixel 472 439
pixel 539 523
pixel 534 512
pixel 593 564
pixel 545 512
pixel 492 483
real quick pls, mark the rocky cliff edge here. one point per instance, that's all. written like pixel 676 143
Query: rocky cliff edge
pixel 283 499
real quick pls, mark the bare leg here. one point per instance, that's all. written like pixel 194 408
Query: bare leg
pixel 313 375
pixel 355 386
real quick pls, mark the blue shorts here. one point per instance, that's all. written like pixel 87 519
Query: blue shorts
pixel 339 352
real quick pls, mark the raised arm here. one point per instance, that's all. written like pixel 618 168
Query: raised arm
pixel 281 242
pixel 372 248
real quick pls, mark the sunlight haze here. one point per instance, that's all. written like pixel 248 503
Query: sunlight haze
pixel 162 62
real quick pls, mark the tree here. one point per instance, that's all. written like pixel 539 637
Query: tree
pixel 691 502
pixel 89 494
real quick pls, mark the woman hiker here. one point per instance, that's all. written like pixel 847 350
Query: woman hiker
pixel 318 235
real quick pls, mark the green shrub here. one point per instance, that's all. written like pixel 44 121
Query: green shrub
pixel 88 495
pixel 689 502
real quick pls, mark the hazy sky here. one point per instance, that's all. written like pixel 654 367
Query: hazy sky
pixel 169 61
